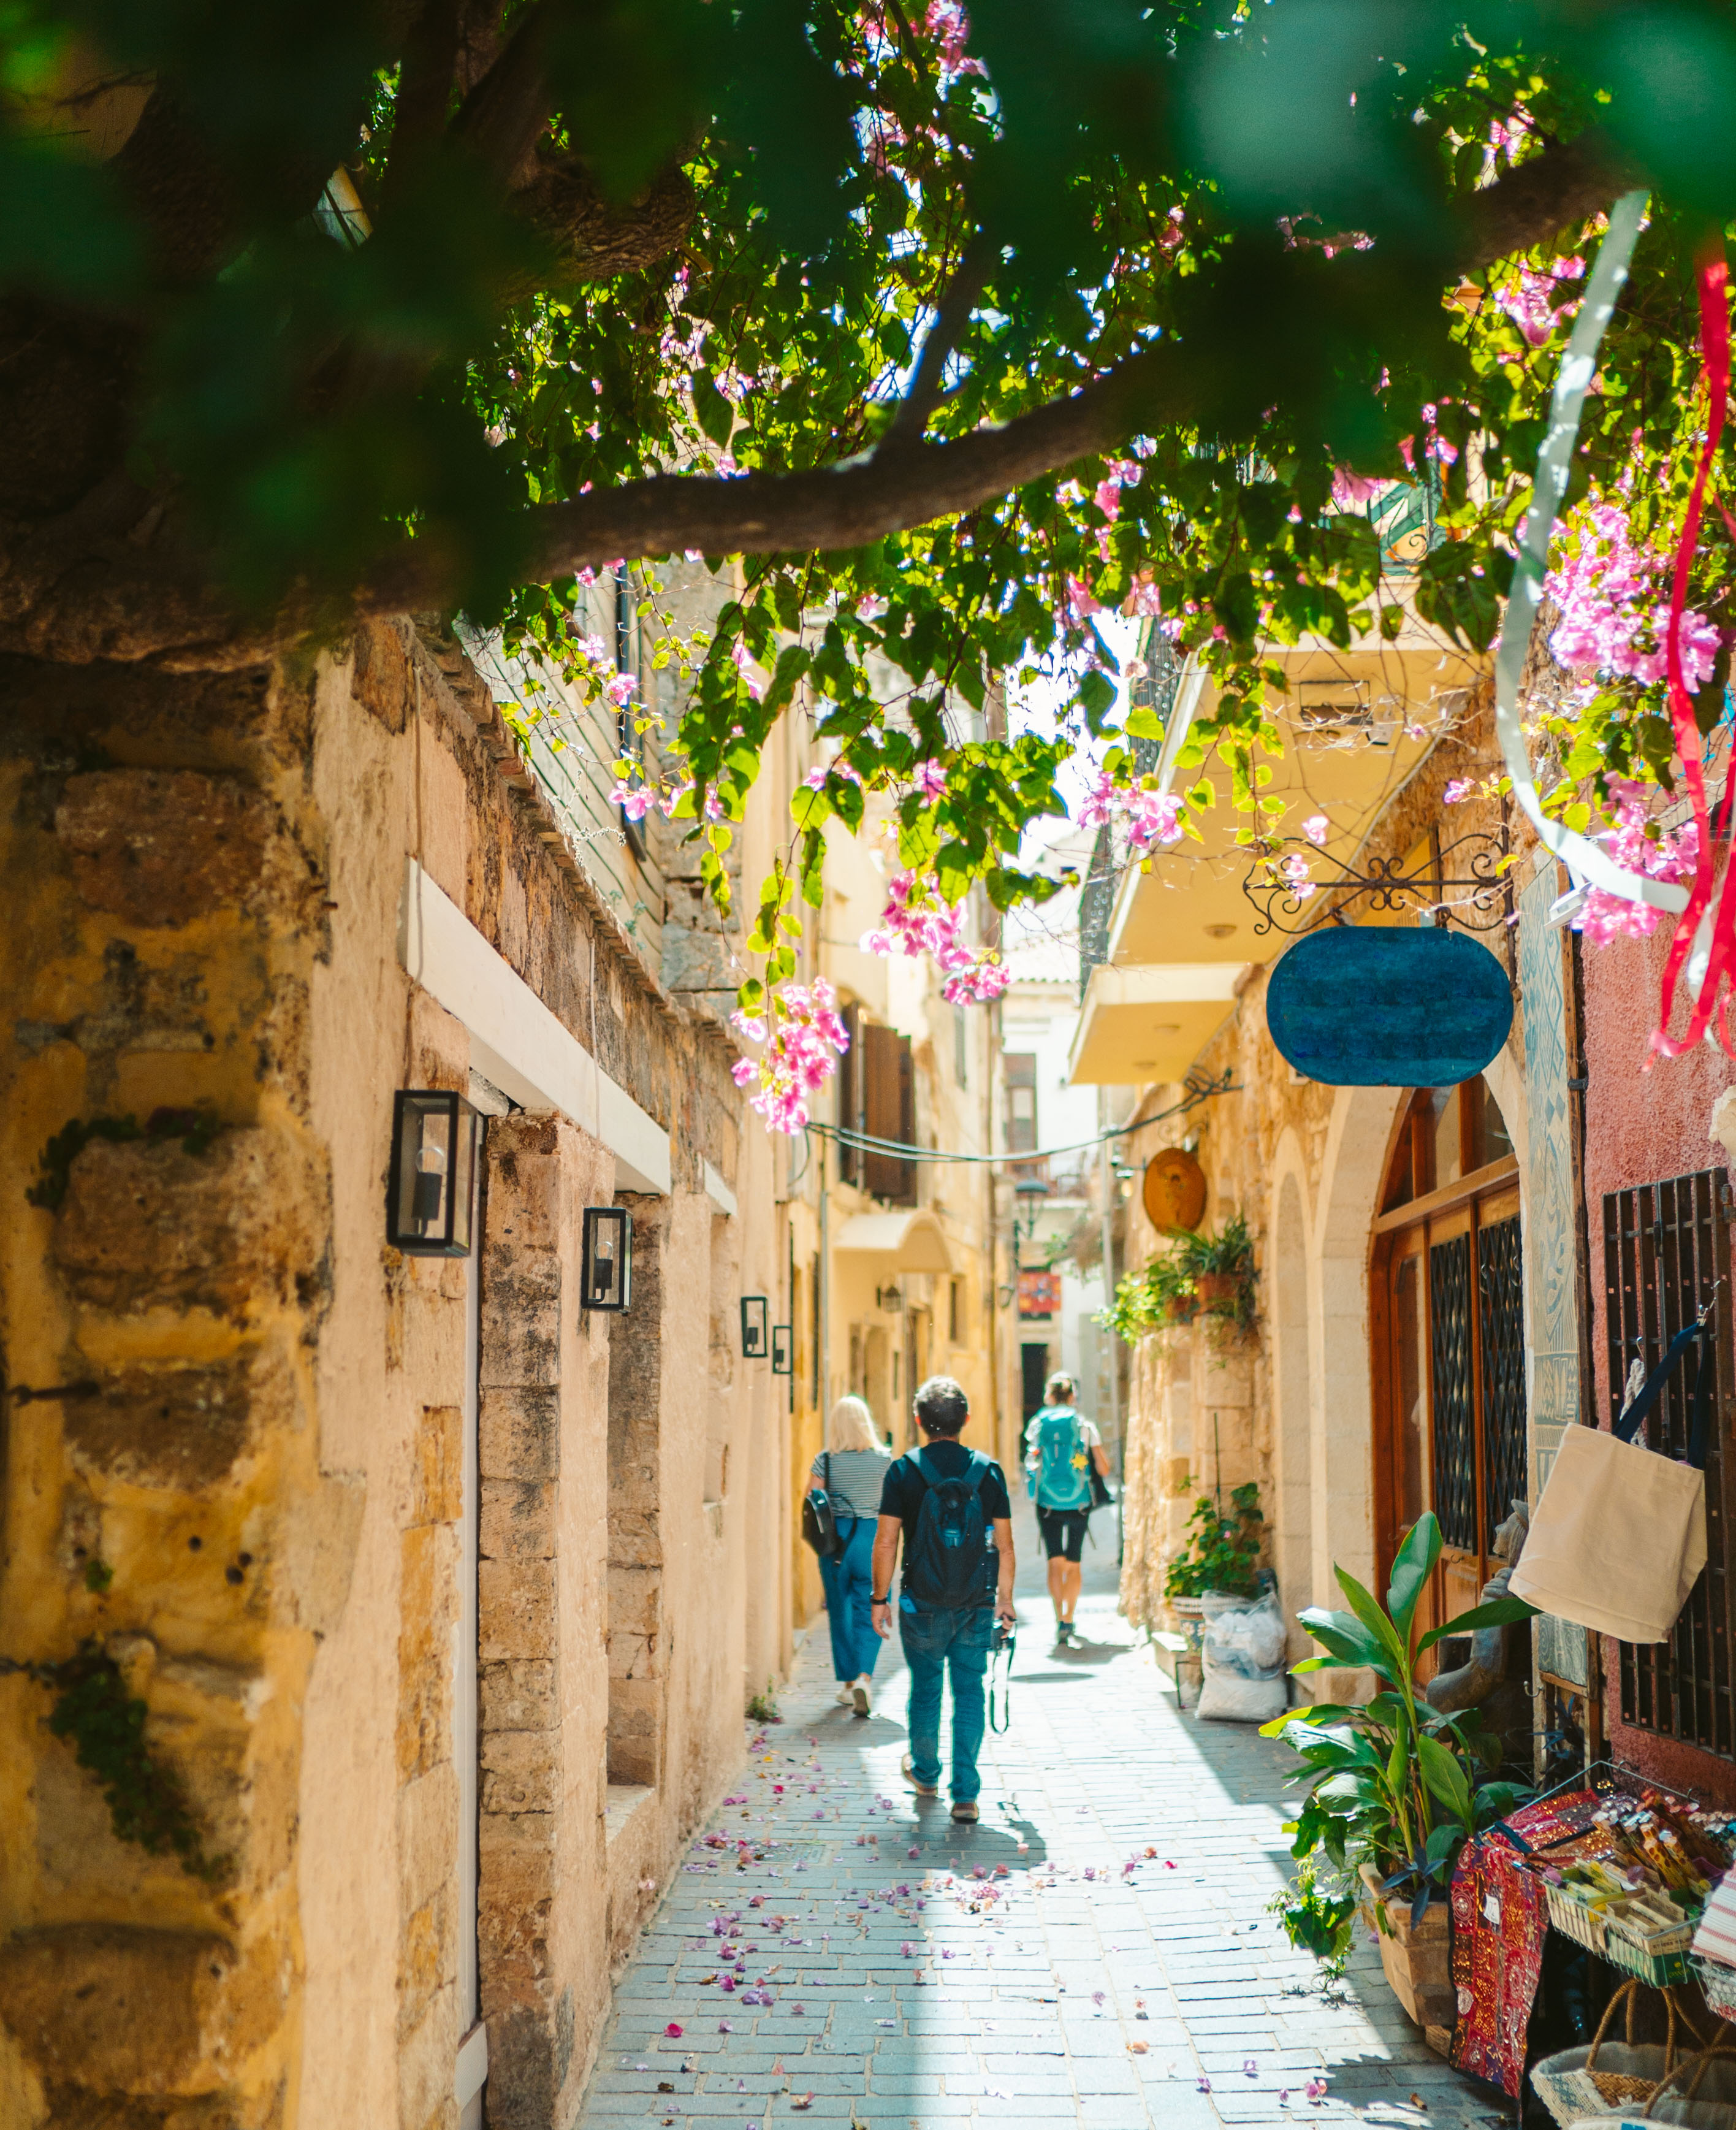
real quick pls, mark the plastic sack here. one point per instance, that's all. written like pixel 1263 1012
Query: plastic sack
pixel 1243 1651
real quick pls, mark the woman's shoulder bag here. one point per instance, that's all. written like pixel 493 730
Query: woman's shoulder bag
pixel 819 1518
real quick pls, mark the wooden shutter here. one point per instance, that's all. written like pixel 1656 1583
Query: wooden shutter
pixel 888 1109
pixel 850 1096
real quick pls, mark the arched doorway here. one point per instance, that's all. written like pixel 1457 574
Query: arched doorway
pixel 1448 1324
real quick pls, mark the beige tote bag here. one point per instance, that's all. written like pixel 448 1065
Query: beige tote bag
pixel 1619 1536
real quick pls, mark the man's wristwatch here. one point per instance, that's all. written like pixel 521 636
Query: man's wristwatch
pixel 886 1600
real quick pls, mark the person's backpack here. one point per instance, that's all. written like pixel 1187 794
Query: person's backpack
pixel 949 1564
pixel 1063 1469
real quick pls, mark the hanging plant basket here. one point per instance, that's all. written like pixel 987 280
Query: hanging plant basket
pixel 1219 1292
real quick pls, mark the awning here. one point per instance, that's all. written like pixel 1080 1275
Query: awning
pixel 908 1242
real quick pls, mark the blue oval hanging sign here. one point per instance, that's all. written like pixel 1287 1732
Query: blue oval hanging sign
pixel 1389 1006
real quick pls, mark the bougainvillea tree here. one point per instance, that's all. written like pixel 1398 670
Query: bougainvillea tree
pixel 964 329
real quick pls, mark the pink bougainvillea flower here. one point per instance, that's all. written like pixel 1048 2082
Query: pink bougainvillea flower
pixel 634 800
pixel 1458 789
pixel 1317 827
pixel 1350 491
pixel 930 779
pixel 673 2031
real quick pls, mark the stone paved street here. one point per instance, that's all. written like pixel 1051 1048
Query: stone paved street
pixel 900 1970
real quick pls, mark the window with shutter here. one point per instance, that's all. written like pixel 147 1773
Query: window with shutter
pixel 1021 1070
pixel 1667 1254
pixel 850 1095
pixel 888 1109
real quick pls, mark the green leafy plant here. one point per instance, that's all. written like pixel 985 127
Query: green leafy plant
pixel 195 1128
pixel 1229 1255
pixel 1391 1782
pixel 1143 1298
pixel 764 1708
pixel 105 1726
pixel 1317 1913
pixel 1224 1550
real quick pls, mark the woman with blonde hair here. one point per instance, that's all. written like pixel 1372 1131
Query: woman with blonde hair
pixel 852 1469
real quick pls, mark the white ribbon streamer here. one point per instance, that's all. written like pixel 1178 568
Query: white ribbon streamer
pixel 1590 862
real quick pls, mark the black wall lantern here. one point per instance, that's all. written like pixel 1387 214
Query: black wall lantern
pixel 783 1350
pixel 432 1188
pixel 608 1258
pixel 755 1317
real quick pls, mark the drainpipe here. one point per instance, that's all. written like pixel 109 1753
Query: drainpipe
pixel 825 1282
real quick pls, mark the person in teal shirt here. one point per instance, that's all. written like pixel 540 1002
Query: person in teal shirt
pixel 1060 1447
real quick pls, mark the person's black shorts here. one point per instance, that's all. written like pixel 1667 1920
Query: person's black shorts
pixel 1063 1531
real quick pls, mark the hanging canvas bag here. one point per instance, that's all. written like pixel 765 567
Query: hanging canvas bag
pixel 1618 1535
pixel 820 1516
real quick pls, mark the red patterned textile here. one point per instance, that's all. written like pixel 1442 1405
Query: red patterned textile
pixel 1499 1915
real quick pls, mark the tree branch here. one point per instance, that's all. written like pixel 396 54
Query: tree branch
pixel 424 93
pixel 121 600
pixel 1569 182
pixel 507 113
pixel 951 317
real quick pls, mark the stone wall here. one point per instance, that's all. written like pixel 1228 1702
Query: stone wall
pixel 234 1445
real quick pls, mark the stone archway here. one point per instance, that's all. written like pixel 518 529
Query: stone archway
pixel 1355 1160
pixel 1293 1433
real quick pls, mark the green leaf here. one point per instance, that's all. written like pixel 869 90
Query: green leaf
pixel 1368 1610
pixel 716 416
pixel 1498 1613
pixel 1444 1778
pixel 1343 1637
pixel 1412 1566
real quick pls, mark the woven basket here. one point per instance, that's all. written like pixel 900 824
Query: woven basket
pixel 1708 2101
pixel 1719 1982
pixel 1575 2084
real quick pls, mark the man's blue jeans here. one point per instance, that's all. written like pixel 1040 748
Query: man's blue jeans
pixel 849 1581
pixel 956 1644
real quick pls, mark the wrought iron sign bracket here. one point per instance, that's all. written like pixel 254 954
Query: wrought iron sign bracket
pixel 1474 893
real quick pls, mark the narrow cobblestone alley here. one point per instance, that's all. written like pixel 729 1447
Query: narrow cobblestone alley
pixel 1097 1950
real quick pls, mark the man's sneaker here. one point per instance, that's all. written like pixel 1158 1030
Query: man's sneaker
pixel 863 1698
pixel 965 1811
pixel 921 1789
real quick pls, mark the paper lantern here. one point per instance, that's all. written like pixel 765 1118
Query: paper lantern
pixel 1389 1006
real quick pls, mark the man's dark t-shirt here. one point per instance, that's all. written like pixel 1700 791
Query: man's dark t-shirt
pixel 902 1493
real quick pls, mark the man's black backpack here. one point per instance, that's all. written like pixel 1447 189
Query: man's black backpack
pixel 950 1564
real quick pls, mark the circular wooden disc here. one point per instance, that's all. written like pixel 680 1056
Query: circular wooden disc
pixel 1174 1192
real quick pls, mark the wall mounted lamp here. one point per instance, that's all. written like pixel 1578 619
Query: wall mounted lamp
pixel 430 1188
pixel 756 1319
pixel 608 1265
pixel 783 1350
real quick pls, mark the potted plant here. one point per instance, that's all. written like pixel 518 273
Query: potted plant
pixel 1160 1292
pixel 1222 1551
pixel 1394 1790
pixel 1221 1269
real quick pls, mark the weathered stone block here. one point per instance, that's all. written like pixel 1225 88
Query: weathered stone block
pixel 314 1552
pixel 425 2053
pixel 519 1434
pixel 518 1697
pixel 634 1602
pixel 635 1730
pixel 380 681
pixel 427 1606
pixel 522 2057
pixel 148 1225
pixel 516 1615
pixel 521 1316
pixel 517 1520
pixel 428 1956
pixel 436 1493
pixel 179 1428
pixel 149 2011
pixel 160 847
pixel 428 1835
pixel 520 1771
pixel 515 1897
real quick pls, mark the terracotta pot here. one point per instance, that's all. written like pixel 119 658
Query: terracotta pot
pixel 1219 1291
pixel 1180 1309
pixel 1418 1963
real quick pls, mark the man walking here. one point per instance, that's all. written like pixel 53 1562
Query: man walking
pixel 1061 1446
pixel 950 1507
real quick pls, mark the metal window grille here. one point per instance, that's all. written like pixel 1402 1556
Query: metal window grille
pixel 1455 1412
pixel 1501 1335
pixel 1666 1251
